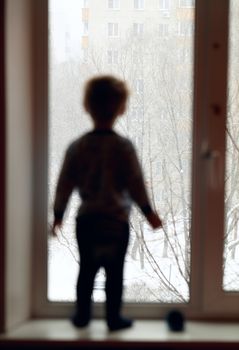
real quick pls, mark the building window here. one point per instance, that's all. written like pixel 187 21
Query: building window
pixel 85 3
pixel 164 4
pixel 137 58
pixel 113 56
pixel 138 29
pixel 114 4
pixel 113 29
pixel 183 55
pixel 139 4
pixel 186 3
pixel 137 114
pixel 139 86
pixel 163 29
pixel 85 28
pixel 85 54
pixel 185 28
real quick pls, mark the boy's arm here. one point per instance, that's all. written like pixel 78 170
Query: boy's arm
pixel 154 220
pixel 137 189
pixel 64 188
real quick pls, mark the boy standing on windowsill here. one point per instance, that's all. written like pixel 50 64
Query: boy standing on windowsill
pixel 104 168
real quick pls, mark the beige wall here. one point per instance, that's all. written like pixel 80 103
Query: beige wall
pixel 19 160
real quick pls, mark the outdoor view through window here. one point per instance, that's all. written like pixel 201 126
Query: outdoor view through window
pixel 231 249
pixel 150 45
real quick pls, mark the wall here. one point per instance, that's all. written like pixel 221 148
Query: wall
pixel 18 58
pixel 2 165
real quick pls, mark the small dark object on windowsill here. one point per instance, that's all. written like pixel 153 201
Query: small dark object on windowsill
pixel 175 321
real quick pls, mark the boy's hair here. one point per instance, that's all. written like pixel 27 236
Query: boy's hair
pixel 104 96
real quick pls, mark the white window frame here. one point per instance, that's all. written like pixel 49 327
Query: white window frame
pixel 112 56
pixel 85 54
pixel 163 29
pixel 114 4
pixel 210 62
pixel 139 4
pixel 138 29
pixel 139 86
pixel 164 5
pixel 113 30
pixel 85 3
pixel 86 28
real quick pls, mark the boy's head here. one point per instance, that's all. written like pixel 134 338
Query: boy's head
pixel 105 98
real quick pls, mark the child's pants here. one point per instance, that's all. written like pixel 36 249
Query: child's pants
pixel 102 242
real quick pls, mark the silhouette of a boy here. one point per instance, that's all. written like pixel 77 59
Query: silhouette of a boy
pixel 104 168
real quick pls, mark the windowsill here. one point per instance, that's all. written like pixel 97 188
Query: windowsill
pixel 150 333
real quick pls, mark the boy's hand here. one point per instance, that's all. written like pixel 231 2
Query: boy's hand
pixel 56 226
pixel 154 220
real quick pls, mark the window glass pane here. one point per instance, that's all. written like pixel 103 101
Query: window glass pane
pixel 231 249
pixel 138 4
pixel 164 4
pixel 113 4
pixel 186 3
pixel 158 120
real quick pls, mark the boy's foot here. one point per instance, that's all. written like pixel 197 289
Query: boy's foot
pixel 78 322
pixel 120 323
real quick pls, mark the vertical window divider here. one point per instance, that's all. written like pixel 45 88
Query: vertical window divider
pixel 210 111
pixel 40 161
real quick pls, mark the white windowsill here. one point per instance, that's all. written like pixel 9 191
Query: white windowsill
pixel 142 331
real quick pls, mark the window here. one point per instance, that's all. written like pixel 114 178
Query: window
pixel 139 86
pixel 164 4
pixel 114 4
pixel 186 3
pixel 163 29
pixel 113 29
pixel 153 273
pixel 187 257
pixel 138 29
pixel 183 55
pixel 137 58
pixel 137 115
pixel 231 235
pixel 85 55
pixel 139 4
pixel 85 28
pixel 85 3
pixel 185 28
pixel 113 56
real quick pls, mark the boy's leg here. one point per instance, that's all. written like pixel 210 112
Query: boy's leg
pixel 87 272
pixel 84 290
pixel 114 287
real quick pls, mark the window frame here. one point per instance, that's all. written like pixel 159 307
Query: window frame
pixel 185 29
pixel 164 7
pixel 207 297
pixel 115 5
pixel 114 29
pixel 138 29
pixel 163 30
pixel 85 4
pixel 112 56
pixel 139 5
